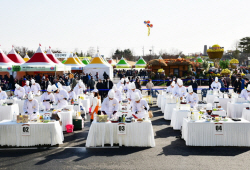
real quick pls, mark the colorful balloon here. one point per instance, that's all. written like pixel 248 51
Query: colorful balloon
pixel 145 22
pixel 148 22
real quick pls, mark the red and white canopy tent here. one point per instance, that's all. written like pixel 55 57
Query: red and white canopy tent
pixel 16 58
pixel 60 66
pixel 40 63
pixel 5 64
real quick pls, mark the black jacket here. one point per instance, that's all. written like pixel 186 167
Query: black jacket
pixel 110 83
pixel 194 85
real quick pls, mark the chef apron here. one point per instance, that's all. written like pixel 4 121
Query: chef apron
pixel 63 103
pixel 30 111
pixel 192 100
pixel 141 112
pixel 47 104
pixel 110 109
pixel 95 110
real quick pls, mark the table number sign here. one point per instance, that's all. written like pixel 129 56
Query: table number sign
pixel 25 130
pixel 121 129
pixel 218 129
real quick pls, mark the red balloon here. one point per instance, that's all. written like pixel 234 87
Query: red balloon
pixel 148 21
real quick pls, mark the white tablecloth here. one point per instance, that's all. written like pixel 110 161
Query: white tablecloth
pixel 202 133
pixel 137 134
pixel 40 134
pixel 163 103
pixel 246 114
pixel 169 110
pixel 20 105
pixel 220 113
pixel 234 110
pixel 7 112
pixel 159 100
pixel 177 118
pixel 86 104
pixel 223 102
pixel 210 98
pixel 65 116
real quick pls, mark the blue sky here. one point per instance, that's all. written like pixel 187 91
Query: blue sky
pixel 186 25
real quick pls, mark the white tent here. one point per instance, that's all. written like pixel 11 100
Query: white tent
pixel 97 64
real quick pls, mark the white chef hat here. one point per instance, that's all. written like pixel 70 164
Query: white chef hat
pixel 49 88
pixel 179 82
pixel 173 83
pixel 209 106
pixel 33 81
pixel 95 90
pixel 54 88
pixel 122 80
pixel 67 88
pixel 59 85
pixel 190 89
pixel 17 86
pixel 248 87
pixel 80 83
pixel 27 82
pixel 132 85
pixel 111 93
pixel 216 79
pixel 0 89
pixel 30 96
pixel 137 96
pixel 127 80
pixel 114 87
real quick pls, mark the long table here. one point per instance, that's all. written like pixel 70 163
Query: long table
pixel 201 133
pixel 7 112
pixel 40 134
pixel 137 134
pixel 177 118
pixel 234 110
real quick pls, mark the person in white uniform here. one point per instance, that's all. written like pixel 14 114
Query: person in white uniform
pixel 245 93
pixel 79 88
pixel 31 107
pixel 27 87
pixel 48 98
pixel 110 104
pixel 132 91
pixel 19 91
pixel 3 94
pixel 170 89
pixel 35 87
pixel 139 106
pixel 61 96
pixel 179 90
pixel 120 84
pixel 126 86
pixel 216 85
pixel 118 94
pixel 192 98
pixel 72 94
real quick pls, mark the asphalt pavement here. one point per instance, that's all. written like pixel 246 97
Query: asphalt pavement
pixel 170 153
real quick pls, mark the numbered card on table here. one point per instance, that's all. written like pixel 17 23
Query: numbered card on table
pixel 25 130
pixel 121 129
pixel 218 129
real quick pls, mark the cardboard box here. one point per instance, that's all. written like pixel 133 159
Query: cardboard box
pixel 19 119
pixel 102 118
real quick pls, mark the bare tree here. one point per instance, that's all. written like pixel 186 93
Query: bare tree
pixel 91 51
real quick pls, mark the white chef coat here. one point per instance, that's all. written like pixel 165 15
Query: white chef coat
pixel 139 108
pixel 120 86
pixel 79 91
pixel 244 94
pixel 20 93
pixel 131 94
pixel 194 98
pixel 170 89
pixel 3 95
pixel 47 96
pixel 216 86
pixel 31 107
pixel 118 95
pixel 59 98
pixel 126 87
pixel 72 95
pixel 180 92
pixel 27 89
pixel 35 89
pixel 109 106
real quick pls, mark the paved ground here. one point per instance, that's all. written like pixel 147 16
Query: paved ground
pixel 169 153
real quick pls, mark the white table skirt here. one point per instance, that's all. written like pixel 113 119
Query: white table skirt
pixel 65 116
pixel 86 104
pixel 210 98
pixel 246 114
pixel 7 112
pixel 20 105
pixel 163 103
pixel 137 134
pixel 169 110
pixel 159 100
pixel 202 133
pixel 234 110
pixel 177 118
pixel 223 102
pixel 40 134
